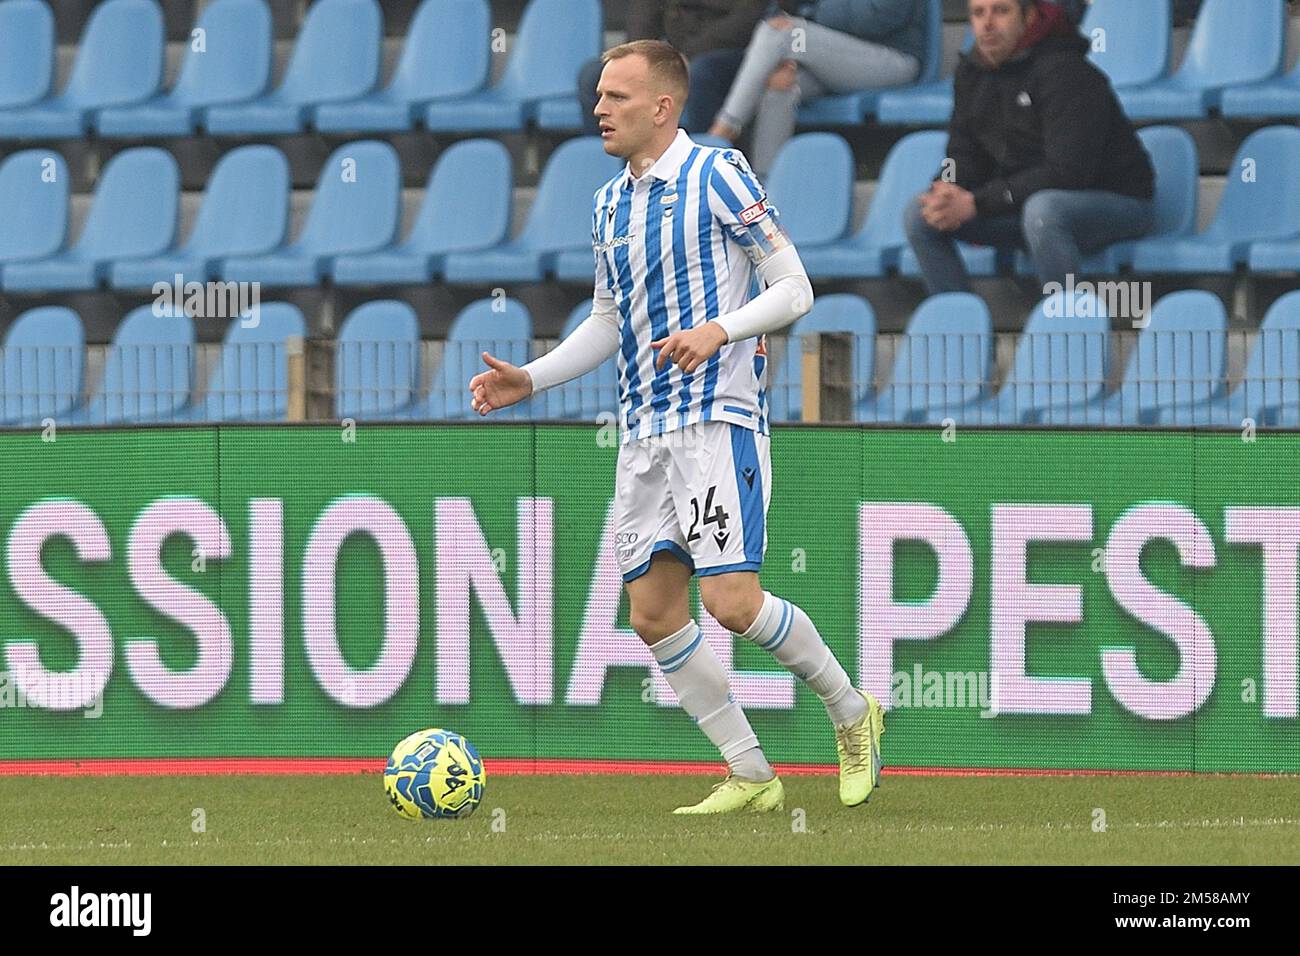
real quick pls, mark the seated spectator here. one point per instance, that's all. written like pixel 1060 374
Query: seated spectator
pixel 711 34
pixel 838 46
pixel 1040 155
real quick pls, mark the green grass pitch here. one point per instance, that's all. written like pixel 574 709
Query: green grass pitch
pixel 626 820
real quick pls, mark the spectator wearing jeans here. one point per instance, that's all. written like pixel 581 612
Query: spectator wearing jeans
pixel 836 46
pixel 711 34
pixel 1040 155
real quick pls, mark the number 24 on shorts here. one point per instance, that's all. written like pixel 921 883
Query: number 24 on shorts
pixel 712 515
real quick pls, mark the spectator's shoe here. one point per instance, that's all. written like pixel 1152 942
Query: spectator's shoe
pixel 860 760
pixel 734 794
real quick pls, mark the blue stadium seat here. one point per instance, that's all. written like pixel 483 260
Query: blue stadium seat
pixel 1177 167
pixel 335 58
pixel 560 114
pixel 1273 98
pixel 585 397
pixel 1270 388
pixel 1261 201
pixel 1234 42
pixel 924 104
pixel 133 214
pixel 251 380
pixel 445 56
pixel 850 109
pixel 377 360
pixel 559 221
pixel 234 65
pixel 1178 360
pixel 34 197
pixel 44 357
pixel 466 206
pixel 555 39
pixel 870 253
pixel 575 265
pixel 563 113
pixel 837 312
pixel 1277 255
pixel 26 52
pixel 944 361
pixel 1062 358
pixel 356 208
pixel 119 61
pixel 815 211
pixel 980 261
pixel 1131 40
pixel 245 212
pixel 501 327
pixel 148 371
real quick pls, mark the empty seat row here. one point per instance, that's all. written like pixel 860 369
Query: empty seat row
pixel 943 365
pixel 331 82
pixel 461 231
pixel 149 370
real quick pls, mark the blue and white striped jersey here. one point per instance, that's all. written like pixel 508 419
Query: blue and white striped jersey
pixel 676 248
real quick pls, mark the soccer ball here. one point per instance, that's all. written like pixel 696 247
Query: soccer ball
pixel 434 775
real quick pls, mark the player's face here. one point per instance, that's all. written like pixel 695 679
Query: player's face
pixel 998 26
pixel 626 105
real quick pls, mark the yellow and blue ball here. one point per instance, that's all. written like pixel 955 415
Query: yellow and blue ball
pixel 434 775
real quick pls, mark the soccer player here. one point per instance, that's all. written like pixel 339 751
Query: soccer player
pixel 678 235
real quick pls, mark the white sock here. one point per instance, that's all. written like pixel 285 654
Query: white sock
pixel 787 632
pixel 697 677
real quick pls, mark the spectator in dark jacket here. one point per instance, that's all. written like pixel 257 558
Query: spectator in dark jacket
pixel 711 34
pixel 1040 155
pixel 835 46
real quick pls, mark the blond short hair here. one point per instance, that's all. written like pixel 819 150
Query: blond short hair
pixel 667 65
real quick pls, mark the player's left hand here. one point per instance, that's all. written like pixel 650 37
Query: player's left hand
pixel 692 348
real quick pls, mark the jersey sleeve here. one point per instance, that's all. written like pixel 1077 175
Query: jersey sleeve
pixel 738 201
pixel 604 281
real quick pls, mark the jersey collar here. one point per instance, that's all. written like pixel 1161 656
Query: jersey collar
pixel 668 165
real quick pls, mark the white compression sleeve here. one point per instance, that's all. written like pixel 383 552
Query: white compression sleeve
pixel 788 295
pixel 593 341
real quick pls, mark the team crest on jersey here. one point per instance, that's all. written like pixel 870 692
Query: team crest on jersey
pixel 738 160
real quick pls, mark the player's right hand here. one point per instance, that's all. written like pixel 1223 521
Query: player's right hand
pixel 500 386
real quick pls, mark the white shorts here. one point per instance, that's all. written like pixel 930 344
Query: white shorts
pixel 700 493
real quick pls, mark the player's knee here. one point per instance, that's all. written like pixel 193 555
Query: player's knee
pixel 734 609
pixel 651 626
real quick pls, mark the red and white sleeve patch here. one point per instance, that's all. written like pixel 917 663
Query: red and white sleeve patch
pixel 750 213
